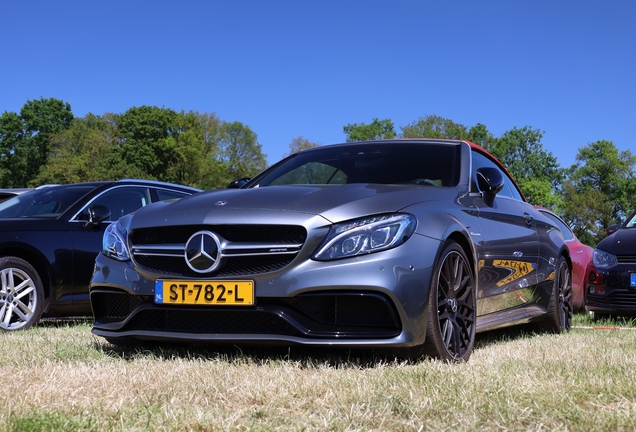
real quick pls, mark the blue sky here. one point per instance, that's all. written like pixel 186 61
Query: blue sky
pixel 289 68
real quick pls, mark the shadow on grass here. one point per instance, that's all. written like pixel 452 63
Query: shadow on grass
pixel 63 322
pixel 306 357
pixel 503 335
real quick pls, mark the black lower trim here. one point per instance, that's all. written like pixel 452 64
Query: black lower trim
pixel 338 315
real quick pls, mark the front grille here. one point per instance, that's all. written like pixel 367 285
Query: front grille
pixel 281 234
pixel 235 266
pixel 248 249
pixel 618 298
pixel 626 259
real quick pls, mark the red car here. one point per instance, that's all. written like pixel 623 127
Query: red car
pixel 581 255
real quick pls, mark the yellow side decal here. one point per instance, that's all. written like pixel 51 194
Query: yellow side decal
pixel 519 269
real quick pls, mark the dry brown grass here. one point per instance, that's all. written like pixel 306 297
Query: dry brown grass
pixel 63 378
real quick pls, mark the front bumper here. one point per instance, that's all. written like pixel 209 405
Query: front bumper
pixel 368 301
pixel 611 291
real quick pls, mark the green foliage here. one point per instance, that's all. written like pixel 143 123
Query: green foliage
pixel 240 152
pixel 25 138
pixel 144 142
pixel 601 189
pixel 601 166
pixel 521 151
pixel 588 212
pixel 79 153
pixel 376 130
pixel 433 126
pixel 148 140
pixel 480 135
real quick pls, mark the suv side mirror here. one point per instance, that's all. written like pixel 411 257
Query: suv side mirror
pixel 490 182
pixel 612 229
pixel 97 214
pixel 237 184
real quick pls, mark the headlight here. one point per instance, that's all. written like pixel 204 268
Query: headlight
pixel 114 242
pixel 603 260
pixel 363 236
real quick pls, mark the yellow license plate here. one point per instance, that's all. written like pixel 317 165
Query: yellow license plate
pixel 213 293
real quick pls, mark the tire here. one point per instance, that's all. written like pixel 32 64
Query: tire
pixel 452 311
pixel 21 294
pixel 559 313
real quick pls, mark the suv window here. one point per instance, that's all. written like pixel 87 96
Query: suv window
pixel 123 200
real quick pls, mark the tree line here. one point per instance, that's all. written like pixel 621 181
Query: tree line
pixel 44 143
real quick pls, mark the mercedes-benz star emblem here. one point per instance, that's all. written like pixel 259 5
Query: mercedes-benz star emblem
pixel 203 251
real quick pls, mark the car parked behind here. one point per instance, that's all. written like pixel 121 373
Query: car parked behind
pixel 49 238
pixel 7 193
pixel 611 288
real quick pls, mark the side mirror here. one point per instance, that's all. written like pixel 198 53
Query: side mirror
pixel 490 182
pixel 237 184
pixel 97 214
pixel 612 229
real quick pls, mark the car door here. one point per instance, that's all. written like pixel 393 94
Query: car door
pixel 509 245
pixel 87 238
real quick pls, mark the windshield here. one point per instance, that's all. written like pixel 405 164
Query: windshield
pixel 435 164
pixel 50 201
pixel 631 222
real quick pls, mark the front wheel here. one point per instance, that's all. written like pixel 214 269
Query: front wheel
pixel 21 294
pixel 452 311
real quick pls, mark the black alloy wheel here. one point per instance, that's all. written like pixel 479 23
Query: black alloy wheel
pixel 452 311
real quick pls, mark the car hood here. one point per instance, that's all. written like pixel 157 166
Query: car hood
pixel 622 242
pixel 288 204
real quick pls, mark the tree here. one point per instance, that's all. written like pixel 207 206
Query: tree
pixel 480 135
pixel 433 126
pixel 376 130
pixel 25 139
pixel 81 152
pixel 299 144
pixel 588 212
pixel 11 136
pixel 603 180
pixel 147 147
pixel 536 171
pixel 240 152
pixel 601 166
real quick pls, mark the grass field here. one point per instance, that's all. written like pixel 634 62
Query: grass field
pixel 58 376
